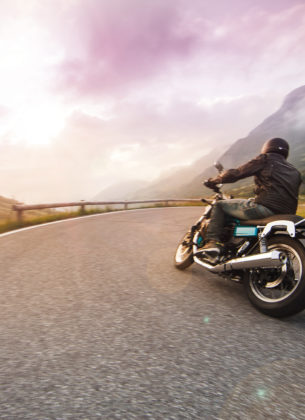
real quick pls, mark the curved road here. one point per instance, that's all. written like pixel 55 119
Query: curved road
pixel 96 323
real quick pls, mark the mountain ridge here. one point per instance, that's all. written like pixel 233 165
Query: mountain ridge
pixel 286 122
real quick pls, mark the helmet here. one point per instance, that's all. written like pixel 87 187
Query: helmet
pixel 276 145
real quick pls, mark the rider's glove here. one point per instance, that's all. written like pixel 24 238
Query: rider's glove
pixel 211 183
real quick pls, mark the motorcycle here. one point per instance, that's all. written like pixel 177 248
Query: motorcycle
pixel 266 255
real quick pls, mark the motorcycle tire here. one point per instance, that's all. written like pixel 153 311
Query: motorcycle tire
pixel 280 292
pixel 184 252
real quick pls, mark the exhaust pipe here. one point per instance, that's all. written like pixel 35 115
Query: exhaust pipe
pixel 272 259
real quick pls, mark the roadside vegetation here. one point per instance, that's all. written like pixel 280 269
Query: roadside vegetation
pixel 8 221
pixel 31 220
pixel 11 223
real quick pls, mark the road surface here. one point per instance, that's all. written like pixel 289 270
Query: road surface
pixel 96 323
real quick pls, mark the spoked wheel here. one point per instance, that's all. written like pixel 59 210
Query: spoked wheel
pixel 184 252
pixel 280 292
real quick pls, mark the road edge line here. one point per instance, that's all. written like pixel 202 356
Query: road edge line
pixel 11 232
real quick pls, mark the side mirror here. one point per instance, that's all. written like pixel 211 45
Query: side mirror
pixel 218 166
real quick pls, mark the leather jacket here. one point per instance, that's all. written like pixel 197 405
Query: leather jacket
pixel 277 182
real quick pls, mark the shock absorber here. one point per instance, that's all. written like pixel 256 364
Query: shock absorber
pixel 262 243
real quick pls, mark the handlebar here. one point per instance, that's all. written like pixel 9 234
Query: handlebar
pixel 219 195
pixel 215 188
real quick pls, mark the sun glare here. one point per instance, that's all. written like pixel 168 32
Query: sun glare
pixel 33 116
pixel 124 154
pixel 38 125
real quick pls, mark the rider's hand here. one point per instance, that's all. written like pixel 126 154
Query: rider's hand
pixel 210 183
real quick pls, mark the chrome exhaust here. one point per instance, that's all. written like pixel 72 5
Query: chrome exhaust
pixel 272 259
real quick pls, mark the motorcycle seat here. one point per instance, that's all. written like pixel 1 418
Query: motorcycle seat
pixel 262 222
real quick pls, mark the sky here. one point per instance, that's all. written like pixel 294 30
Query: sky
pixel 94 92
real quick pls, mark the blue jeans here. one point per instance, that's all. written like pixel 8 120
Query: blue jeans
pixel 238 208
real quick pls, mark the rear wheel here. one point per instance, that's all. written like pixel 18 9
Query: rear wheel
pixel 184 252
pixel 280 292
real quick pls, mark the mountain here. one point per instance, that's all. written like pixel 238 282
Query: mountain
pixel 120 191
pixel 186 182
pixel 288 122
pixel 6 211
pixel 169 184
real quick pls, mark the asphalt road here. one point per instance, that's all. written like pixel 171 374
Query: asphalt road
pixel 96 323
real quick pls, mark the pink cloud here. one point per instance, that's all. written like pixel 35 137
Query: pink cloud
pixel 115 45
pixel 110 46
pixel 4 111
pixel 252 31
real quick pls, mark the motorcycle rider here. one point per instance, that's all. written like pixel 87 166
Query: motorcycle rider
pixel 277 187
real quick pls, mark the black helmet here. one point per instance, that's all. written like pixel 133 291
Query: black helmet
pixel 276 145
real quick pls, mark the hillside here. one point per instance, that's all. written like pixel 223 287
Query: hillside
pixel 120 191
pixel 6 211
pixel 288 122
pixel 169 184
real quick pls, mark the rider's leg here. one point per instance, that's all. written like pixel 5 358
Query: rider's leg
pixel 216 223
pixel 238 208
pixel 213 246
pixel 245 209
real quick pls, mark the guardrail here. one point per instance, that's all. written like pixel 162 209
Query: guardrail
pixel 20 208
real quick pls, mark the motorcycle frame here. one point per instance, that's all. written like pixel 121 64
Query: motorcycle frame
pixel 265 258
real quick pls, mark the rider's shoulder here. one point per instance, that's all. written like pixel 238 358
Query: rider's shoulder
pixel 269 157
pixel 262 157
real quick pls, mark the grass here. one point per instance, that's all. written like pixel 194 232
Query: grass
pixel 9 225
pixel 30 220
pixel 301 210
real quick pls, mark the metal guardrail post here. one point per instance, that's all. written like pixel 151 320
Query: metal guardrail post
pixel 20 216
pixel 19 212
pixel 82 208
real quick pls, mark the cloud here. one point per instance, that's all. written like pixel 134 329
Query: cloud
pixel 260 32
pixel 138 86
pixel 4 111
pixel 91 153
pixel 110 46
pixel 62 170
pixel 113 49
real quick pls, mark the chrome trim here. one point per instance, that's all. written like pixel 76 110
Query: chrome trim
pixel 195 239
pixel 272 259
pixel 297 267
pixel 290 227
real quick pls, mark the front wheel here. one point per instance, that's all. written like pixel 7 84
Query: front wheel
pixel 280 292
pixel 184 252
